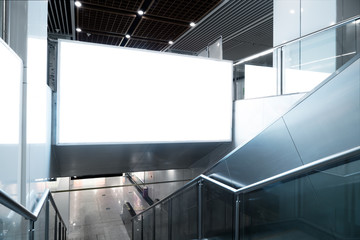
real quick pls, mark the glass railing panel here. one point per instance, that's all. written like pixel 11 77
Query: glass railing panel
pixel 184 210
pixel 162 221
pixel 148 225
pixel 12 225
pixel 137 228
pixel 218 208
pixel 52 224
pixel 40 225
pixel 323 204
pixel 257 76
pixel 308 62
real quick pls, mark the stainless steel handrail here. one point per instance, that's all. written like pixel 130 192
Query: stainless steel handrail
pixel 260 184
pixel 302 169
pixel 352 19
pixel 10 203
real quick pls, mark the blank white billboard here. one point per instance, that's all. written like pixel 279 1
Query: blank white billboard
pixel 120 95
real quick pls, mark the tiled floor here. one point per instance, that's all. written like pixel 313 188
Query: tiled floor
pixel 96 214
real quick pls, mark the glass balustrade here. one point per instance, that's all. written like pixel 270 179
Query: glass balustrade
pixel 298 66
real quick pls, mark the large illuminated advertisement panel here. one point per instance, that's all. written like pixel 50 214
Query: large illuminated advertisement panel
pixel 121 95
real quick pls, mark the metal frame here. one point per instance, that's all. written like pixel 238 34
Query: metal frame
pixel 239 193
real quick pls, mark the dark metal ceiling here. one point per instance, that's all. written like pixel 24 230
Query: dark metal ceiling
pixel 108 22
pixel 246 26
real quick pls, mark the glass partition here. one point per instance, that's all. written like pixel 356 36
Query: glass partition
pixel 40 224
pixel 323 204
pixel 298 66
pixel 218 208
pixel 184 210
pixel 162 220
pixel 52 224
pixel 308 62
pixel 12 225
pixel 148 225
pixel 257 76
pixel 137 228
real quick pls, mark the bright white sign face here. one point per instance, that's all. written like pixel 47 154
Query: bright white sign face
pixel 119 95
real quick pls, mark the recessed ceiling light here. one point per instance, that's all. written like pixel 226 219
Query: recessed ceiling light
pixel 78 29
pixel 127 36
pixel 77 3
pixel 192 24
pixel 171 42
pixel 140 12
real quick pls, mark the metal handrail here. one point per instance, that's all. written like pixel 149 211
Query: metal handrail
pixel 302 169
pixel 355 18
pixel 10 203
pixel 332 159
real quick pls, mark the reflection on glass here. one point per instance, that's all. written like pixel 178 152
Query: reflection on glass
pixel 148 225
pixel 137 228
pixel 185 215
pixel 40 225
pixel 217 208
pixel 12 225
pixel 321 205
pixel 310 61
pixel 162 221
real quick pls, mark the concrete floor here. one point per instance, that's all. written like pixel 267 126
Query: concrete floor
pixel 96 214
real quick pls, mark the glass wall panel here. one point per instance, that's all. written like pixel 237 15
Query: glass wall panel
pixel 148 225
pixel 184 222
pixel 218 212
pixel 137 228
pixel 162 221
pixel 323 204
pixel 52 216
pixel 12 225
pixel 310 61
pixel 40 225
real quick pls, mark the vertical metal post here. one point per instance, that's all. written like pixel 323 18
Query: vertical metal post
pixel 142 227
pixel 55 227
pixel 31 229
pixel 237 217
pixel 60 233
pixel 200 234
pixel 47 219
pixel 170 219
pixel 3 20
pixel 132 229
pixel 154 223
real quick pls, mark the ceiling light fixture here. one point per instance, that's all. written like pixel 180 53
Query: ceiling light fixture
pixel 127 36
pixel 78 29
pixel 140 12
pixel 171 42
pixel 192 24
pixel 77 3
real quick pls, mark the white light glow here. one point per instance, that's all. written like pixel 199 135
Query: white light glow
pixel 78 4
pixel 131 96
pixel 171 42
pixel 192 24
pixel 140 12
pixel 292 11
pixel 260 81
pixel 127 36
pixel 10 89
pixel 78 29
